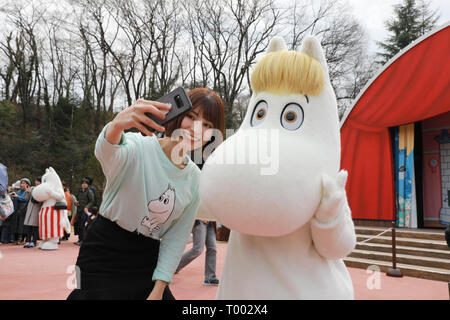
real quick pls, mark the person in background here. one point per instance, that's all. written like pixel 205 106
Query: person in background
pixel 203 234
pixel 69 208
pixel 3 180
pixel 6 236
pixel 1 229
pixel 91 186
pixel 31 222
pixel 73 211
pixel 91 216
pixel 11 221
pixel 3 194
pixel 85 201
pixel 22 196
pixel 4 232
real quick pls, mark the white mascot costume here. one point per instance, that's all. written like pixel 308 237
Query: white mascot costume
pixel 291 223
pixel 52 218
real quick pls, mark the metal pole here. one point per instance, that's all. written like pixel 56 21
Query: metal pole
pixel 394 272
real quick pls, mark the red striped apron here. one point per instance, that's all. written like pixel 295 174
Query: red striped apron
pixel 50 223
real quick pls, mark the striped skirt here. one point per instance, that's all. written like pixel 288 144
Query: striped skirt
pixel 50 223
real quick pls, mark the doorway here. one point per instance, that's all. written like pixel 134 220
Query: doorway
pixel 435 134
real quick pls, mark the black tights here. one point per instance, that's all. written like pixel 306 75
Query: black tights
pixel 32 234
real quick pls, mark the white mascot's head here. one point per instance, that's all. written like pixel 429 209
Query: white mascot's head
pixel 51 187
pixel 292 125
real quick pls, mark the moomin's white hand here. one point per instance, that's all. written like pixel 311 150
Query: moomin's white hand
pixel 333 196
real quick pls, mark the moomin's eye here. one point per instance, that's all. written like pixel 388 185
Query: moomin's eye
pixel 259 113
pixel 292 117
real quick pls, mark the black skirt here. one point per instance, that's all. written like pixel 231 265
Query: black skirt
pixel 17 218
pixel 114 263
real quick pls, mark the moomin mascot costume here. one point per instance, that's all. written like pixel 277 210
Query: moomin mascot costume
pixel 290 224
pixel 53 215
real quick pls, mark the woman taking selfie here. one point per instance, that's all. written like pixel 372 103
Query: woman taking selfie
pixel 150 201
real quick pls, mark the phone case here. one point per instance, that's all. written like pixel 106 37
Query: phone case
pixel 180 102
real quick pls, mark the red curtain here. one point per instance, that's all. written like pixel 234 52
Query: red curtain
pixel 414 87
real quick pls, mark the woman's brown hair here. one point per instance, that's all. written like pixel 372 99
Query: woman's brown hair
pixel 212 109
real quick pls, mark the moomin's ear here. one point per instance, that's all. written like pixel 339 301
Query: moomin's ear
pixel 312 47
pixel 276 44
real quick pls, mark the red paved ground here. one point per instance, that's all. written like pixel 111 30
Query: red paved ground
pixel 41 275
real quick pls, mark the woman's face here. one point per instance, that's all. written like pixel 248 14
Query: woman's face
pixel 23 185
pixel 195 129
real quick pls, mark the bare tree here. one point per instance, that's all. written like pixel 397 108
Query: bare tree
pixel 126 54
pixel 146 58
pixel 364 68
pixel 96 52
pixel 105 50
pixel 23 59
pixel 164 35
pixel 8 75
pixel 228 36
pixel 342 39
pixel 303 18
pixel 198 71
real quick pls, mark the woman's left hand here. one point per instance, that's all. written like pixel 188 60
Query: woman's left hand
pixel 158 290
pixel 155 295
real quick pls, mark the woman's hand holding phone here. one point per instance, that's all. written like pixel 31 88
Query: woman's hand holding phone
pixel 134 117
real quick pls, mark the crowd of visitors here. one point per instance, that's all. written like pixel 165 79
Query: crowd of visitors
pixel 21 227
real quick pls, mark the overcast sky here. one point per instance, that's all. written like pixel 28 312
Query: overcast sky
pixel 373 13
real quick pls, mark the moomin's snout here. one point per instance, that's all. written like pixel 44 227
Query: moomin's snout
pixel 237 190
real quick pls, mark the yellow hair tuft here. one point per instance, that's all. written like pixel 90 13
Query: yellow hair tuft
pixel 288 72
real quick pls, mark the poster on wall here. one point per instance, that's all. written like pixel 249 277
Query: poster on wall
pixel 406 214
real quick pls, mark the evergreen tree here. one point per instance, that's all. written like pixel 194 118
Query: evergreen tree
pixel 412 20
pixel 59 136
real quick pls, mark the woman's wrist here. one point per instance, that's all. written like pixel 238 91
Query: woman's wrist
pixel 158 290
pixel 160 285
pixel 117 126
pixel 114 132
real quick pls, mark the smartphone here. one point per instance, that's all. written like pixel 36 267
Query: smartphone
pixel 180 102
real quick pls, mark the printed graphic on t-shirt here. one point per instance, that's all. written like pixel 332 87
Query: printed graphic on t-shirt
pixel 160 210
